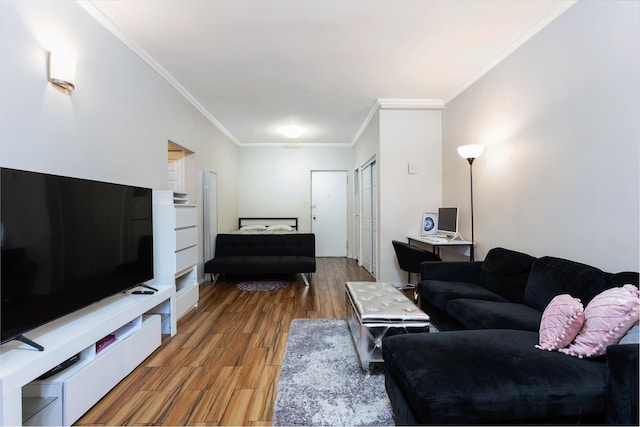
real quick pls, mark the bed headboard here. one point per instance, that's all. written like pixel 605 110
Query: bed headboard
pixel 293 222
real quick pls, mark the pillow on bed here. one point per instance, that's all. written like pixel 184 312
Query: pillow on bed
pixel 253 228
pixel 279 227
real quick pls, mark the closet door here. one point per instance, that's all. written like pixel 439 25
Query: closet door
pixel 367 218
pixel 374 219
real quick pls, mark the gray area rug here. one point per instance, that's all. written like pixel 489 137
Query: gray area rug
pixel 322 383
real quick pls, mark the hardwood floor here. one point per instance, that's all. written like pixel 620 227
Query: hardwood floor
pixel 223 365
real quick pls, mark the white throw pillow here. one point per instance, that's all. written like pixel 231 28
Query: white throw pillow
pixel 253 228
pixel 279 227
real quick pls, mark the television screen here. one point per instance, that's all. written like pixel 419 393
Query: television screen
pixel 448 221
pixel 67 243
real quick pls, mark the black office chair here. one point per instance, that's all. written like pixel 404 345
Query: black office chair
pixel 410 257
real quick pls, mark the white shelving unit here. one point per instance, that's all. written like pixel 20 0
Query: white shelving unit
pixel 80 386
pixel 134 320
pixel 176 247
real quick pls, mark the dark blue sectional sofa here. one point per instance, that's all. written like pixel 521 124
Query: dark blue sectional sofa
pixel 483 367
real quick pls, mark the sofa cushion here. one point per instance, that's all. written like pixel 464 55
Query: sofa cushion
pixel 459 377
pixel 261 264
pixel 554 276
pixel 502 262
pixel 439 293
pixel 479 314
pixel 505 272
pixel 265 244
pixel 622 384
pixel 607 319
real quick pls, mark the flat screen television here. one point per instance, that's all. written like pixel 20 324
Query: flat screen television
pixel 448 222
pixel 67 243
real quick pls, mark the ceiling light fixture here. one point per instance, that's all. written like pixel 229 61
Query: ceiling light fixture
pixel 293 131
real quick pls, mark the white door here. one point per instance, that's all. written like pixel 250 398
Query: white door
pixel 367 219
pixel 356 224
pixel 374 219
pixel 329 212
pixel 175 169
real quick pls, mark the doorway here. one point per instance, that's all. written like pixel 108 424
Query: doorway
pixel 181 170
pixel 175 170
pixel 329 212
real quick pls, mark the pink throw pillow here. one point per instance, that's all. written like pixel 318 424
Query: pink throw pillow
pixel 607 319
pixel 561 322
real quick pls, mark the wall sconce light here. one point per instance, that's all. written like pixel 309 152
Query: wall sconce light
pixel 471 152
pixel 61 70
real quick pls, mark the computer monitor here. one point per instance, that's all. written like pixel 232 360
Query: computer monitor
pixel 448 222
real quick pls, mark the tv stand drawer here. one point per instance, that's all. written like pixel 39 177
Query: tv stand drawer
pixel 82 385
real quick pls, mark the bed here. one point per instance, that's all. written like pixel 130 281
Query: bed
pixel 264 246
pixel 252 225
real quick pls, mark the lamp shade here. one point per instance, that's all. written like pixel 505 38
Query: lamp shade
pixel 470 151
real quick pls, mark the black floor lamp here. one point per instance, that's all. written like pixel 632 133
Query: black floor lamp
pixel 471 152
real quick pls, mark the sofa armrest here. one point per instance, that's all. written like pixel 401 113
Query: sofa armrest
pixel 452 271
pixel 622 384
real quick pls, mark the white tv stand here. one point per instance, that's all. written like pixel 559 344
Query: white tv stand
pixel 137 321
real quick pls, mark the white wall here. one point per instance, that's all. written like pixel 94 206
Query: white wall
pixel 367 146
pixel 222 156
pixel 560 118
pixel 115 126
pixel 365 150
pixel 395 138
pixel 276 181
pixel 406 136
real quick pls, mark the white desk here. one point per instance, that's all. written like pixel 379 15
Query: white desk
pixel 461 246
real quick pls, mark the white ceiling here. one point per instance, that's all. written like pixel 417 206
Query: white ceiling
pixel 253 66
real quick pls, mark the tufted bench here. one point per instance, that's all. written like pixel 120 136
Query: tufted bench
pixel 378 310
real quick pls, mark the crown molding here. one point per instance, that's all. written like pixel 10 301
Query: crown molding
pixel 92 10
pixel 410 104
pixel 295 145
pixel 372 111
pixel 397 104
pixel 515 44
